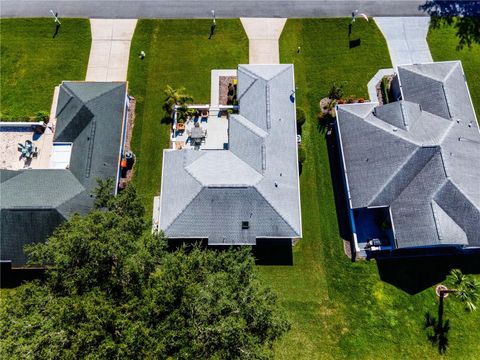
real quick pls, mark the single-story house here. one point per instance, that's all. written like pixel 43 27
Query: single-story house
pixel 412 167
pixel 248 193
pixel 87 145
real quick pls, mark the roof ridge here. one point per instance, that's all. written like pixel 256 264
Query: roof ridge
pixel 423 167
pixel 229 185
pixel 280 73
pixel 250 126
pixel 185 207
pixel 396 172
pixel 275 209
pixel 255 79
pixel 450 72
pixel 72 96
pixel 101 95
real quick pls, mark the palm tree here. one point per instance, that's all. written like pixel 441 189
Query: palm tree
pixel 175 97
pixel 465 288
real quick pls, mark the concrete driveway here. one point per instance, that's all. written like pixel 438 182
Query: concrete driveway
pixel 406 39
pixel 110 49
pixel 263 35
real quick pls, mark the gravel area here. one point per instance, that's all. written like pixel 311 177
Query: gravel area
pixel 223 84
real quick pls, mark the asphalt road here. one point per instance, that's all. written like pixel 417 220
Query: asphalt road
pixel 202 8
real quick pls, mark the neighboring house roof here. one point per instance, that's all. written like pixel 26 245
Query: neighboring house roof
pixel 420 156
pixel 209 193
pixel 34 202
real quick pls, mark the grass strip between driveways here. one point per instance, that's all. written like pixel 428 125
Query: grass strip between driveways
pixel 33 62
pixel 178 53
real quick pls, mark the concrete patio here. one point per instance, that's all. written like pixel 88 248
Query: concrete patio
pixel 216 128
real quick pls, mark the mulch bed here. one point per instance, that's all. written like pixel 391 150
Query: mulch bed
pixel 223 82
pixel 379 89
pixel 128 137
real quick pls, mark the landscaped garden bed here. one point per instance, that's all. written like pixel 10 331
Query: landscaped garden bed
pixel 227 90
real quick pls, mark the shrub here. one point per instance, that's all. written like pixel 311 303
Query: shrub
pixel 361 100
pixel 351 99
pixel 385 87
pixel 42 116
pixel 336 92
pixel 300 117
pixel 340 101
pixel 302 154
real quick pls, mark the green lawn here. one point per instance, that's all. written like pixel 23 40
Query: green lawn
pixel 33 62
pixel 341 309
pixel 178 53
pixel 443 46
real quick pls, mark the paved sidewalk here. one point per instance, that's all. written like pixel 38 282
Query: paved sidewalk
pixel 110 50
pixel 406 39
pixel 263 35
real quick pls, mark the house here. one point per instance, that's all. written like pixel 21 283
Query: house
pixel 86 145
pixel 249 192
pixel 412 167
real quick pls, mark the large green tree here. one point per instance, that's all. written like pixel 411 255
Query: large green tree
pixel 112 290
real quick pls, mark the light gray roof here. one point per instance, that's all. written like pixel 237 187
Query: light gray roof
pixel 209 193
pixel 34 202
pixel 419 156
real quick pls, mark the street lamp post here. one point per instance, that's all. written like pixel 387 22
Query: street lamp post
pixel 56 19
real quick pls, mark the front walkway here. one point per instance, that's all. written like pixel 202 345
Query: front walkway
pixel 263 35
pixel 406 39
pixel 110 50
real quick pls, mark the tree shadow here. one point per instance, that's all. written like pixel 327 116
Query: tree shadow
pixel 415 274
pixel 437 330
pixel 464 15
pixel 166 120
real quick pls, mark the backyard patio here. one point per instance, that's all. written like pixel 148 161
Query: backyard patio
pixel 22 148
pixel 201 133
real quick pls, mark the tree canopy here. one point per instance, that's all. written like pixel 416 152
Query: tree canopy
pixel 113 290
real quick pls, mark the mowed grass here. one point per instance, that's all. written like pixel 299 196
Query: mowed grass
pixel 33 62
pixel 178 53
pixel 340 309
pixel 443 43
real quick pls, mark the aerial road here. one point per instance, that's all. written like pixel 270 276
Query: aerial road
pixel 203 8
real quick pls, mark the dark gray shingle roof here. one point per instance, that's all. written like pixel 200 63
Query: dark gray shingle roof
pixel 423 155
pixel 89 115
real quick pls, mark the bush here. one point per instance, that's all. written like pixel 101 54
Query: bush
pixel 336 92
pixel 300 117
pixel 302 154
pixel 385 87
pixel 351 99
pixel 42 116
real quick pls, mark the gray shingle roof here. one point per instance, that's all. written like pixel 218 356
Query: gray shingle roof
pixel 209 193
pixel 423 155
pixel 89 115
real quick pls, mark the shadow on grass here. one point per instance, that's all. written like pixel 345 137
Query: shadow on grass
pixel 336 173
pixel 415 274
pixel 464 15
pixel 437 330
pixel 265 252
pixel 166 120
